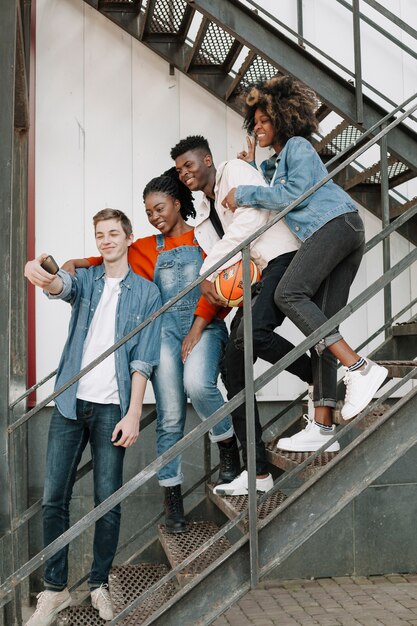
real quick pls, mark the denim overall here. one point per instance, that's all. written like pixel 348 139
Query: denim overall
pixel 172 379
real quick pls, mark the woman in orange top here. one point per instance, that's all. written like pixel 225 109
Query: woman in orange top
pixel 193 336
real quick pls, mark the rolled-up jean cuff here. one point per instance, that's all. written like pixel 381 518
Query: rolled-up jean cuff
pixel 227 435
pixel 171 482
pixel 326 342
pixel 52 587
pixel 326 402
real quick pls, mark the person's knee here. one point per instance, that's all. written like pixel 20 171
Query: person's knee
pixel 198 386
pixel 284 298
pixel 261 339
pixel 172 423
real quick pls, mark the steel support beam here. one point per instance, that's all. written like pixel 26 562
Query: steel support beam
pixel 13 216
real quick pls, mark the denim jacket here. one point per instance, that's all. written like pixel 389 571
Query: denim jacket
pixel 298 168
pixel 138 299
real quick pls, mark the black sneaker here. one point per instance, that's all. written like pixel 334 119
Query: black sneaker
pixel 229 461
pixel 174 510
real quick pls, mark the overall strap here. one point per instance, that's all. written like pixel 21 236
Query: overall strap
pixel 215 219
pixel 160 242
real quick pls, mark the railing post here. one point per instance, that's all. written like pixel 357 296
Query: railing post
pixel 358 61
pixel 13 202
pixel 386 244
pixel 250 420
pixel 300 25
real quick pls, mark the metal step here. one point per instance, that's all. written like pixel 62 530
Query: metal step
pixel 120 6
pixel 341 137
pixel 398 369
pixel 399 209
pixel 288 460
pixel 126 583
pixel 214 50
pixel 407 328
pixel 398 173
pixel 209 59
pixel 364 422
pixel 233 505
pixel 179 546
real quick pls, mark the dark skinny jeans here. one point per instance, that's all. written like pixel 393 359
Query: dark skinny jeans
pixel 316 286
pixel 267 345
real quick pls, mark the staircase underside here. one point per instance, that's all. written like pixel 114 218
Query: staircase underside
pixel 212 58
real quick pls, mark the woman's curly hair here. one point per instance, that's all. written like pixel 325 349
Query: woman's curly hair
pixel 289 103
pixel 170 184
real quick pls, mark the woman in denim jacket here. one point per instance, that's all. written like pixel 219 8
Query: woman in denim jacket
pixel 281 114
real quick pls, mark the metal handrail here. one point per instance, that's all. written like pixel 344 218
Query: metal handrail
pixel 335 158
pixel 153 467
pixel 235 250
pixel 378 238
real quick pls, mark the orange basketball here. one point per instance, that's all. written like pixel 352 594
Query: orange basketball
pixel 229 283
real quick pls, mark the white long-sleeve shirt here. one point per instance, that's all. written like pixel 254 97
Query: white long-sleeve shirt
pixel 240 224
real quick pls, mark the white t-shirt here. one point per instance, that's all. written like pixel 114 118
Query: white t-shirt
pixel 100 385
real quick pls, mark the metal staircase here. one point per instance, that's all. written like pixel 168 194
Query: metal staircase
pixel 225 46
pixel 207 569
pixel 199 574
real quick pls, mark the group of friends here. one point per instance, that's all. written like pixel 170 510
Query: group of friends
pixel 308 261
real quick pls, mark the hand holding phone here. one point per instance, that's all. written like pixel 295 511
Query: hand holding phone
pixel 50 265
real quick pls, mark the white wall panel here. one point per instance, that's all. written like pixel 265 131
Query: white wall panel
pixel 155 125
pixel 108 119
pixel 108 113
pixel 59 160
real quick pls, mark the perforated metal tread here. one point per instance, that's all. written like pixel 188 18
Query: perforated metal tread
pixel 233 505
pixel 398 369
pixel 126 583
pixel 179 546
pixel 404 328
pixel 288 460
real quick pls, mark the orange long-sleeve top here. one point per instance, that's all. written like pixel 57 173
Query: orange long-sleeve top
pixel 142 257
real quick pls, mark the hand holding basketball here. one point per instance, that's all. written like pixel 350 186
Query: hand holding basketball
pixel 229 283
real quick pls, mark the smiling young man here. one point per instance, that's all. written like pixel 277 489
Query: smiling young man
pixel 104 407
pixel 219 230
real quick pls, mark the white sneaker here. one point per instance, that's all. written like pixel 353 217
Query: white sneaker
pixel 49 604
pixel 101 600
pixel 239 486
pixel 310 439
pixel 361 386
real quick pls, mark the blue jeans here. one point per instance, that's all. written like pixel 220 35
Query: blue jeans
pixel 316 286
pixel 66 441
pixel 173 380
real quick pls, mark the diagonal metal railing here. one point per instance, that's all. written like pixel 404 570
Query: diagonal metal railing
pixel 358 18
pixel 22 572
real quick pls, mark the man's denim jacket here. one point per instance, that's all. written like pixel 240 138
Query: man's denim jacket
pixel 298 168
pixel 138 299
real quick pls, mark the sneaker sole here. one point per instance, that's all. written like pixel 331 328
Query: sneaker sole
pixel 334 447
pixel 381 377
